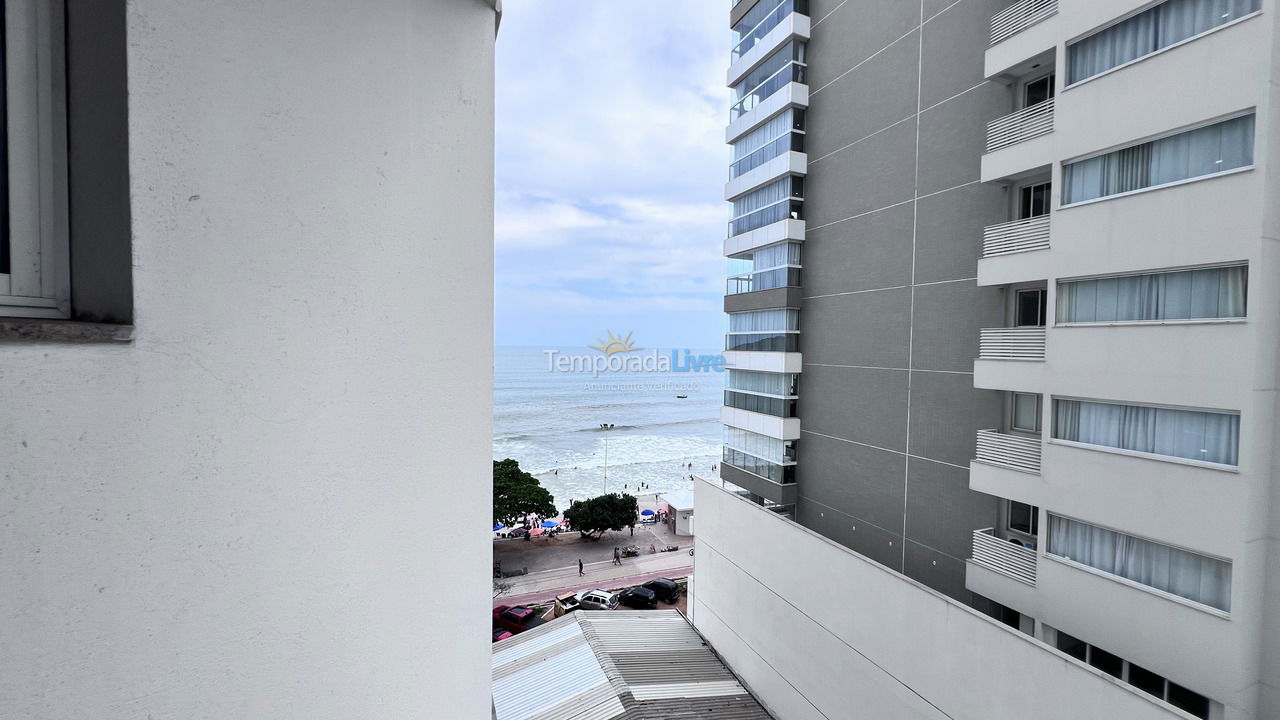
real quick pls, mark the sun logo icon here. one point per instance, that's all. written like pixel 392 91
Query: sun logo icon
pixel 614 344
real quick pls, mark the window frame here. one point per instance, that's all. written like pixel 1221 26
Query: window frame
pixel 1013 413
pixel 1051 75
pixel 38 284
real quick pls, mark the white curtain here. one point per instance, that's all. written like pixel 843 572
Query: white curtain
pixel 1180 572
pixel 1195 153
pixel 1161 26
pixel 1194 435
pixel 761 382
pixel 1182 295
pixel 764 321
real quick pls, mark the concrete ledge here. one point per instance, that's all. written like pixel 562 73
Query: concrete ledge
pixel 63 331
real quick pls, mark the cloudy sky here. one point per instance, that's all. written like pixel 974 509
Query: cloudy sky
pixel 611 164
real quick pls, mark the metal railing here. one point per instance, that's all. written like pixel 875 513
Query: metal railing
pixel 1016 236
pixel 1017 343
pixel 1009 557
pixel 1027 123
pixel 763 280
pixel 1020 16
pixel 1011 451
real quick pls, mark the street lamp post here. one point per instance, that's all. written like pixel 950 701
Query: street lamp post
pixel 606 427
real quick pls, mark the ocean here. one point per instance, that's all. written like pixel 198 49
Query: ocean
pixel 550 422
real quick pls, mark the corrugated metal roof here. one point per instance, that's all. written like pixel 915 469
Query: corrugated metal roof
pixel 623 664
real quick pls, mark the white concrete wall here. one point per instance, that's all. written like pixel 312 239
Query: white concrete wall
pixel 270 505
pixel 819 632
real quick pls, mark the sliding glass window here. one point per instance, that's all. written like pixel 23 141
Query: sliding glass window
pixel 1202 435
pixel 1195 153
pixel 782 133
pixel 764 331
pixel 759 20
pixel 784 66
pixel 779 384
pixel 776 201
pixel 760 454
pixel 1189 575
pixel 769 268
pixel 1210 293
pixel 1165 24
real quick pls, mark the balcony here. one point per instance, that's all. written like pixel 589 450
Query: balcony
pixel 1019 343
pixel 1006 557
pixel 1021 126
pixel 1020 16
pixel 1015 452
pixel 1016 236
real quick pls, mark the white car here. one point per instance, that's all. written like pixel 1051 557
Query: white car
pixel 597 600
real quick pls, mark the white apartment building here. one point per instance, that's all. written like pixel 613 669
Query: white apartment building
pixel 245 359
pixel 1085 196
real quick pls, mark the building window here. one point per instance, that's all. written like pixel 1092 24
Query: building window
pixel 1024 518
pixel 1209 293
pixel 1165 24
pixel 764 331
pixel 1033 200
pixel 760 454
pixel 1037 91
pixel 1205 436
pixel 1026 412
pixel 763 404
pixel 786 65
pixel 759 20
pixel 783 133
pixel 1137 676
pixel 772 203
pixel 34 275
pixel 1031 308
pixel 778 384
pixel 1189 575
pixel 775 266
pixel 1201 152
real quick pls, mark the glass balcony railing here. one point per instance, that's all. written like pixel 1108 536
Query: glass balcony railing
pixel 747 38
pixel 781 474
pixel 790 208
pixel 763 280
pixel 791 72
pixel 763 404
pixel 763 342
pixel 790 141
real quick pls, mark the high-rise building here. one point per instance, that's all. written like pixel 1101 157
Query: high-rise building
pixel 231 409
pixel 1004 323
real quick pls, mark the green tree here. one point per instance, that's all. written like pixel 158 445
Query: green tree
pixel 517 494
pixel 606 512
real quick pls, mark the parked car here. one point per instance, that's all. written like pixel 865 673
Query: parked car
pixel 516 619
pixel 649 520
pixel 638 597
pixel 501 634
pixel 666 589
pixel 566 604
pixel 597 600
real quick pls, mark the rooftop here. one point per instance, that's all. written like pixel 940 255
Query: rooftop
pixel 632 664
pixel 679 499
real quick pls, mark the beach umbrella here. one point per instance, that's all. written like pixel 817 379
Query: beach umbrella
pixel 536 531
pixel 497 527
pixel 646 511
pixel 549 523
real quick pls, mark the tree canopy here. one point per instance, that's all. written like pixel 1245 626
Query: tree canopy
pixel 517 494
pixel 606 512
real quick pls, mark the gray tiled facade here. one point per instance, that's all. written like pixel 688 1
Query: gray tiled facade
pixel 894 208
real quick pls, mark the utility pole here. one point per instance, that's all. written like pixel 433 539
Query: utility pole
pixel 606 427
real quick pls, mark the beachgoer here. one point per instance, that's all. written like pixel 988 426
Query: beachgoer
pixel 633 530
pixel 580 573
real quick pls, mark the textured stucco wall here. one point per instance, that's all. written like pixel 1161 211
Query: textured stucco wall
pixel 251 511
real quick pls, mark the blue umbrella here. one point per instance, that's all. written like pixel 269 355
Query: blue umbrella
pixel 550 523
pixel 646 511
pixel 497 527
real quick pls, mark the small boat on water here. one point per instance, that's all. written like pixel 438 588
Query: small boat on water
pixel 682 397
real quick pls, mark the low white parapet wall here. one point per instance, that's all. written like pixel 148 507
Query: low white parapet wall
pixel 819 632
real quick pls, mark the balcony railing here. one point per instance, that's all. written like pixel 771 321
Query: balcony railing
pixel 1004 556
pixel 1020 16
pixel 1019 343
pixel 1027 123
pixel 1017 236
pixel 1011 451
pixel 763 280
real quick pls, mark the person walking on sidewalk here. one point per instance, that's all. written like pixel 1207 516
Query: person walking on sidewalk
pixel 617 557
pixel 580 573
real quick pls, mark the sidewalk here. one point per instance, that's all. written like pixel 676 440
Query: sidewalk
pixel 545 585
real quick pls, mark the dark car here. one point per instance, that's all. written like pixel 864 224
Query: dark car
pixel 667 590
pixel 501 634
pixel 516 619
pixel 638 597
pixel 518 532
